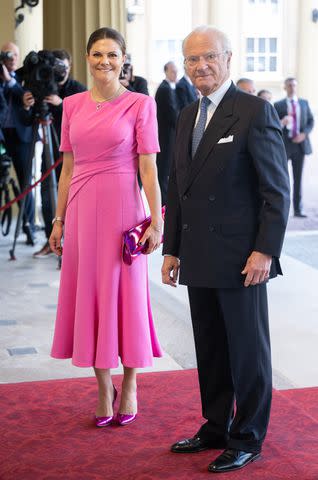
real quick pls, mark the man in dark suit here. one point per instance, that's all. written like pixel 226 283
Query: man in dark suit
pixel 297 122
pixel 227 210
pixel 186 92
pixel 167 112
pixel 18 137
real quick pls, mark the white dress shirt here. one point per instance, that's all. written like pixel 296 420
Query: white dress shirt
pixel 290 112
pixel 215 98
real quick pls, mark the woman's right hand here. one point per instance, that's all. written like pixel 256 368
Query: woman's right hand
pixel 56 238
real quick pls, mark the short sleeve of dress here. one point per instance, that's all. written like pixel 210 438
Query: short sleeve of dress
pixel 65 145
pixel 147 127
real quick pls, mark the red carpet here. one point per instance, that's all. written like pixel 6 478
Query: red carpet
pixel 46 433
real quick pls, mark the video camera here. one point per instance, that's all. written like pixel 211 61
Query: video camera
pixel 126 68
pixel 4 56
pixel 42 72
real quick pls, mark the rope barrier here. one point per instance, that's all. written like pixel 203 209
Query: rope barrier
pixel 29 189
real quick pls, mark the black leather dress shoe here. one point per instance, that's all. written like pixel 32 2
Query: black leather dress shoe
pixel 232 459
pixel 300 215
pixel 30 240
pixel 194 445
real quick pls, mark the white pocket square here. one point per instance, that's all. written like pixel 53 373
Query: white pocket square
pixel 226 139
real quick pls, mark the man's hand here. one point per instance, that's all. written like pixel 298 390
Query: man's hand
pixel 28 100
pixel 299 138
pixel 170 265
pixel 257 268
pixel 287 120
pixel 54 100
pixel 124 82
pixel 4 74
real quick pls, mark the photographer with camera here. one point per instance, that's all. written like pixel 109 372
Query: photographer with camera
pixel 132 82
pixel 18 137
pixel 64 86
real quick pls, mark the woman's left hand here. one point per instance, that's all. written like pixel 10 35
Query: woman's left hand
pixel 153 235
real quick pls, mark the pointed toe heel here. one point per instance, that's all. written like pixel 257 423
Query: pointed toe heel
pixel 124 419
pixel 106 421
pixel 103 421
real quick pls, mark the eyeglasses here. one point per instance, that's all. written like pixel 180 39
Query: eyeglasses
pixel 209 58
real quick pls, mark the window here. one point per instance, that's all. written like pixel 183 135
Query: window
pixel 166 35
pixel 261 54
pixel 274 2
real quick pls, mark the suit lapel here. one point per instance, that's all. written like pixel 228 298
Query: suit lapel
pixel 223 119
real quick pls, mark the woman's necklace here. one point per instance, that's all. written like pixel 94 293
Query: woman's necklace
pixel 99 104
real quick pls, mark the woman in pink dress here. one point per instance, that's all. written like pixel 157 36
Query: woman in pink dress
pixel 103 307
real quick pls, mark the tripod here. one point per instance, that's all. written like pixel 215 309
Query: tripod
pixel 5 182
pixel 43 119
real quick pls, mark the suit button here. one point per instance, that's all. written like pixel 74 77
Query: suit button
pixel 185 197
pixel 211 228
pixel 211 198
pixel 185 226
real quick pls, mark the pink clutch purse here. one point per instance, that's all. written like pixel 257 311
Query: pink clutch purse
pixel 131 238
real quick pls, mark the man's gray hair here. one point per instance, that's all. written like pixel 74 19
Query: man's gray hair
pixel 226 44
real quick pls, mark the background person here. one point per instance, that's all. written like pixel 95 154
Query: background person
pixel 132 82
pixel 3 113
pixel 167 113
pixel 297 121
pixel 246 85
pixel 18 137
pixel 186 92
pixel 103 307
pixel 227 211
pixel 265 95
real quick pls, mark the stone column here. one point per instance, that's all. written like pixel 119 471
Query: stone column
pixel 306 64
pixel 68 24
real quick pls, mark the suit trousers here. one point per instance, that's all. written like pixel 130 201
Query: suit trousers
pixel 20 152
pixel 297 157
pixel 232 342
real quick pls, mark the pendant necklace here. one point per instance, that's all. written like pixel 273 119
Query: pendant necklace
pixel 116 94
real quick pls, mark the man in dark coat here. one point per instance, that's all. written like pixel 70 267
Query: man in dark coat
pixel 186 92
pixel 227 210
pixel 297 122
pixel 18 137
pixel 167 113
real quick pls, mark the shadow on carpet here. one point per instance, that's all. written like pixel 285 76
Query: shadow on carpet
pixel 47 433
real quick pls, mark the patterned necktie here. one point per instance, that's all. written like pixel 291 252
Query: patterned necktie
pixel 294 115
pixel 198 130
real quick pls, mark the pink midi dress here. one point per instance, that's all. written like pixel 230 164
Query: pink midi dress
pixel 103 308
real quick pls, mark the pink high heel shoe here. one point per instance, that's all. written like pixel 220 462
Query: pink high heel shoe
pixel 125 418
pixel 105 421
